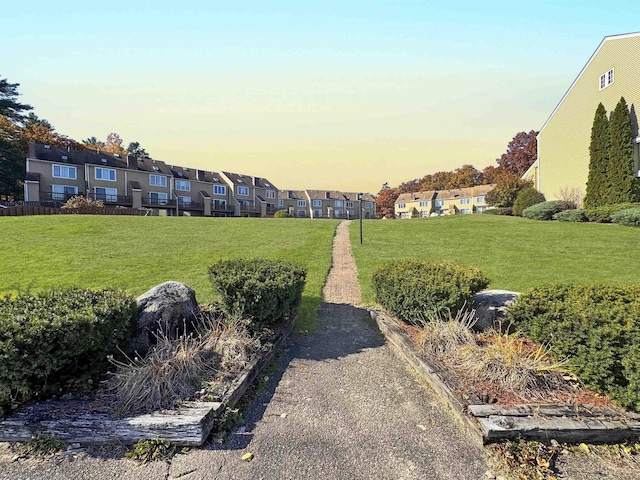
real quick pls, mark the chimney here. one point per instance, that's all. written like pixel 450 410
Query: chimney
pixel 327 195
pixel 132 162
pixel 290 194
pixel 256 181
pixel 32 149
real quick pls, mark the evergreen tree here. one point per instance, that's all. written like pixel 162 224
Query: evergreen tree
pixel 623 186
pixel 599 160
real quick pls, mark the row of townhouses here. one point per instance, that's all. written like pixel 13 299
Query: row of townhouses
pixel 443 202
pixel 57 174
pixel 326 204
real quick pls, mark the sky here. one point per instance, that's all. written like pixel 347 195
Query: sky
pixel 343 95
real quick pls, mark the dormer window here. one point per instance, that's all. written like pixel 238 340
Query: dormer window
pixel 47 147
pixel 64 157
pixel 103 160
pixel 156 169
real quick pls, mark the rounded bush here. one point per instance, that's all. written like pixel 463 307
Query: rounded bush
pixel 603 214
pixel 415 290
pixel 527 198
pixel 546 210
pixel 596 326
pixel 282 214
pixel 49 340
pixel 629 217
pixel 258 290
pixel 576 215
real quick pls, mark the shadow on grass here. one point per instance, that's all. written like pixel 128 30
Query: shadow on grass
pixel 342 330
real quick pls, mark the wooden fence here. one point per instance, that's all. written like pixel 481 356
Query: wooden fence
pixel 21 210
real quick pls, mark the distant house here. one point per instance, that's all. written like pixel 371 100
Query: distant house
pixel 613 71
pixel 55 174
pixel 326 204
pixel 443 202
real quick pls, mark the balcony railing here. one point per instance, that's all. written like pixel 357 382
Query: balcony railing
pixel 249 209
pixel 57 196
pixel 216 207
pixel 111 199
pixel 158 202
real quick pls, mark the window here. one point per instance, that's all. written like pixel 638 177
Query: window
pixel 183 185
pixel 244 191
pixel 349 204
pixel 368 205
pixel 465 211
pixel 302 203
pixel 339 203
pixel 465 201
pixel 108 174
pixel 220 204
pixel 338 213
pixel 480 199
pixel 184 201
pixel 402 205
pixel 302 213
pixel 64 171
pixel 219 190
pixel 271 194
pixel 481 209
pixel 439 203
pixel 424 204
pixel 157 181
pixel 317 203
pixel 244 203
pixel 424 213
pixel 157 198
pixel 281 203
pixel 606 79
pixel 63 192
pixel 106 194
pixel 317 213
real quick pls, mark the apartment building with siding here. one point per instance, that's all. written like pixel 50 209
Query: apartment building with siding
pixel 56 174
pixel 326 204
pixel 461 201
pixel 612 72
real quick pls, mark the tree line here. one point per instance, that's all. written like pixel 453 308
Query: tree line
pixel 19 125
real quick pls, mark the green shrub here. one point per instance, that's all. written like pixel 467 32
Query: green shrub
pixel 49 340
pixel 260 290
pixel 505 193
pixel 576 215
pixel 282 214
pixel 527 198
pixel 629 217
pixel 546 210
pixel 597 327
pixel 499 211
pixel 603 214
pixel 414 290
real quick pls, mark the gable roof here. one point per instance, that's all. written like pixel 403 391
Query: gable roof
pixel 605 39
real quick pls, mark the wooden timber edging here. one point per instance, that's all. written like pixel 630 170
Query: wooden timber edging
pixel 495 423
pixel 187 426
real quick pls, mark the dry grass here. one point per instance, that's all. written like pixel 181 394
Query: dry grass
pixel 442 337
pixel 512 363
pixel 174 370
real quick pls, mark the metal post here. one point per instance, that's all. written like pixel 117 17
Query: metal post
pixel 360 206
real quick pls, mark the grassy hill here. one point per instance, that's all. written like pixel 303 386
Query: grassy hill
pixel 137 253
pixel 514 252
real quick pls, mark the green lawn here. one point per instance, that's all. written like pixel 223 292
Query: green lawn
pixel 514 252
pixel 137 253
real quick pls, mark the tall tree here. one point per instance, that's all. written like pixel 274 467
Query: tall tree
pixel 465 176
pixel 114 144
pixel 385 202
pixel 41 131
pixel 597 182
pixel 522 152
pixel 9 105
pixel 623 186
pixel 136 150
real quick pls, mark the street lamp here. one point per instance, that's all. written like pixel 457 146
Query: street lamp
pixel 360 206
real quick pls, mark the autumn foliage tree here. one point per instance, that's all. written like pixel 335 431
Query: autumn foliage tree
pixel 522 152
pixel 385 201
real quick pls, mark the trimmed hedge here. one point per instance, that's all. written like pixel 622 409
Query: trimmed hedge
pixel 629 217
pixel 282 214
pixel 527 198
pixel 414 290
pixel 597 327
pixel 258 290
pixel 499 211
pixel 50 340
pixel 546 210
pixel 603 214
pixel 576 215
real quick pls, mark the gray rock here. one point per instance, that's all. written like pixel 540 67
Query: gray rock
pixel 491 308
pixel 170 306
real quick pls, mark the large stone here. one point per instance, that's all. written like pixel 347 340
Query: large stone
pixel 491 308
pixel 170 306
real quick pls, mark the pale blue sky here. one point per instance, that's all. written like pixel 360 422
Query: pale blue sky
pixel 308 94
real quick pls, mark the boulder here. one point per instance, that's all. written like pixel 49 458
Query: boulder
pixel 170 306
pixel 491 308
